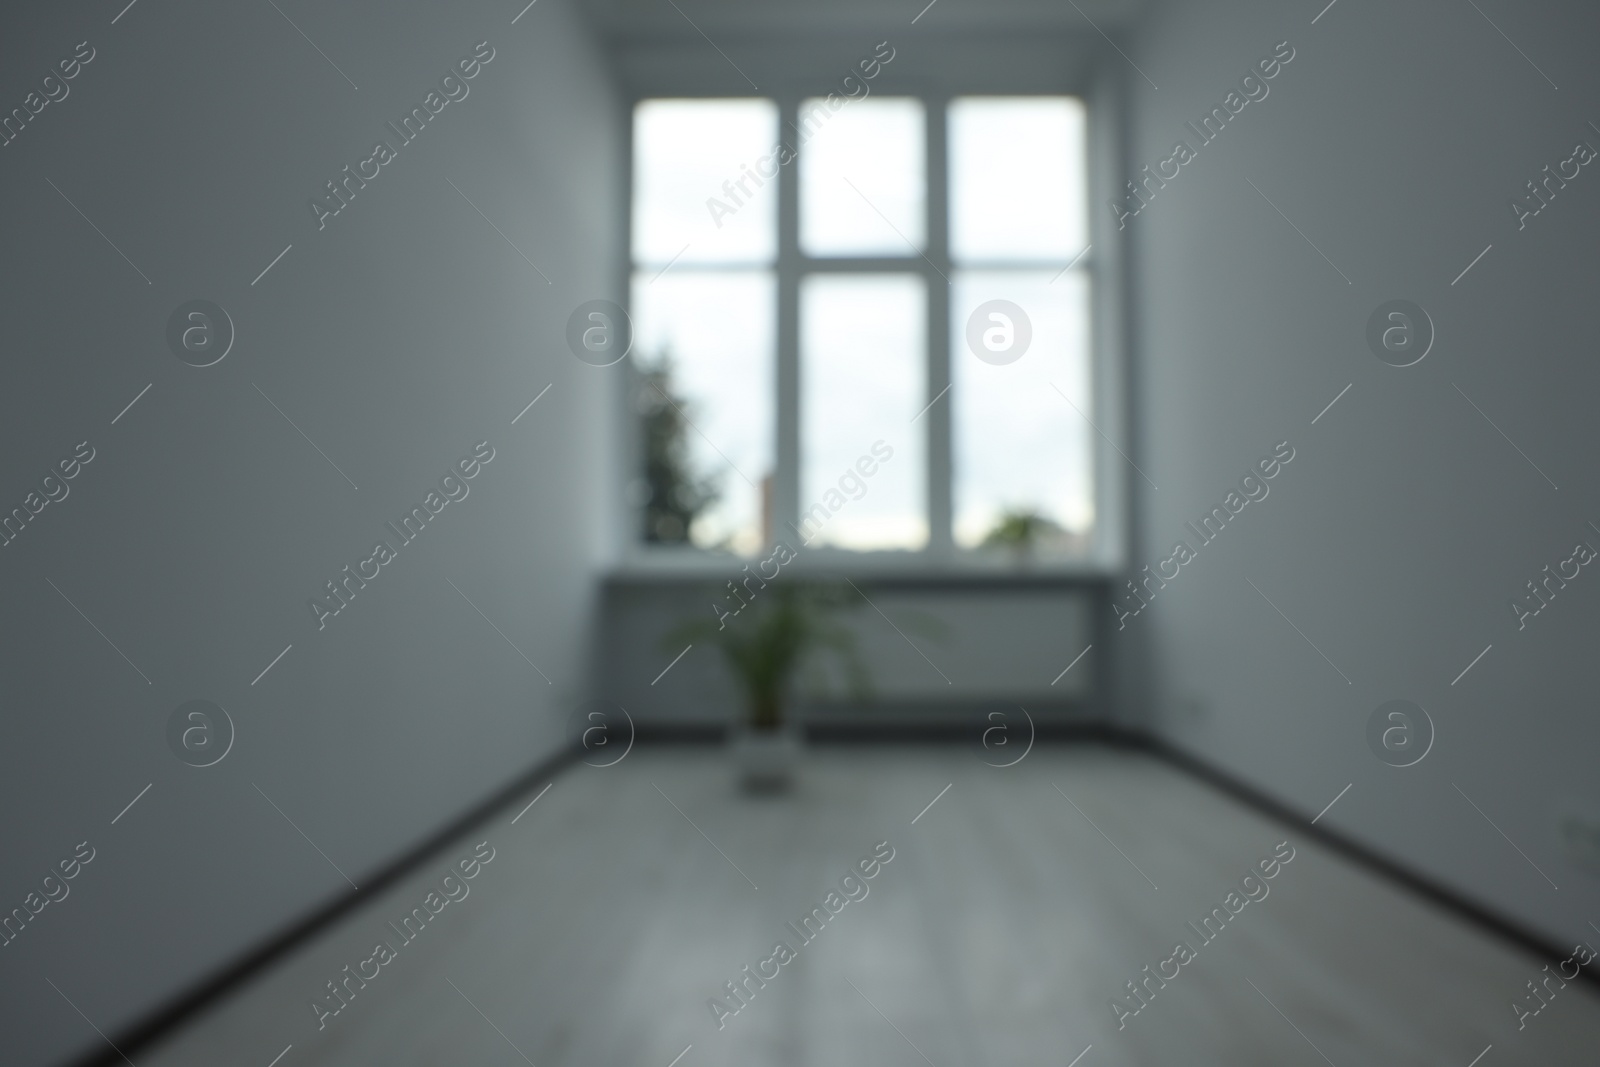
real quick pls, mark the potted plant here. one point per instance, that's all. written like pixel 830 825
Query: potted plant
pixel 1019 531
pixel 764 644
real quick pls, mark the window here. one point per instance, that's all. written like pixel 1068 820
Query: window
pixel 789 382
pixel 703 315
pixel 863 378
pixel 1018 231
pixel 862 178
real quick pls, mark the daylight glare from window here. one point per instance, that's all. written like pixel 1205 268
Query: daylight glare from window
pixel 703 298
pixel 1015 439
pixel 862 178
pixel 862 381
pixel 1017 196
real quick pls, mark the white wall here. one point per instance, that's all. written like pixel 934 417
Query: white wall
pixel 396 338
pixel 1406 522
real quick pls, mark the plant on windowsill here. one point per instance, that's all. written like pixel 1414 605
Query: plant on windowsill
pixel 1019 531
pixel 675 496
pixel 764 650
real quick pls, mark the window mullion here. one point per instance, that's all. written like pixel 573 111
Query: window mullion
pixel 785 499
pixel 938 420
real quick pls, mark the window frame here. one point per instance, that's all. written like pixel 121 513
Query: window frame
pixel 1100 262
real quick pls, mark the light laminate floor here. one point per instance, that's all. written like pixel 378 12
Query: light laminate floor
pixel 998 934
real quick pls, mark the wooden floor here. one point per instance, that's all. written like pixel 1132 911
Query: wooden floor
pixel 998 934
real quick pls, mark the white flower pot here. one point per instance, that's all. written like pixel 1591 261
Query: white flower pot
pixel 765 760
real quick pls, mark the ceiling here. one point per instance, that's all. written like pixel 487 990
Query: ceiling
pixel 719 20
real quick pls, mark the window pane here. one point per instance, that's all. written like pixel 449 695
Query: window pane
pixel 863 467
pixel 715 330
pixel 689 160
pixel 1017 184
pixel 1019 447
pixel 877 147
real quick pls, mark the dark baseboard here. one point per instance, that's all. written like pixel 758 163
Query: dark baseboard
pixel 831 731
pixel 966 732
pixel 697 733
pixel 1436 893
pixel 212 988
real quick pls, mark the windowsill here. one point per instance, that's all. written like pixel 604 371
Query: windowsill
pixel 668 566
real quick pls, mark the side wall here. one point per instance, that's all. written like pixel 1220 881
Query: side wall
pixel 1384 561
pixel 376 353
